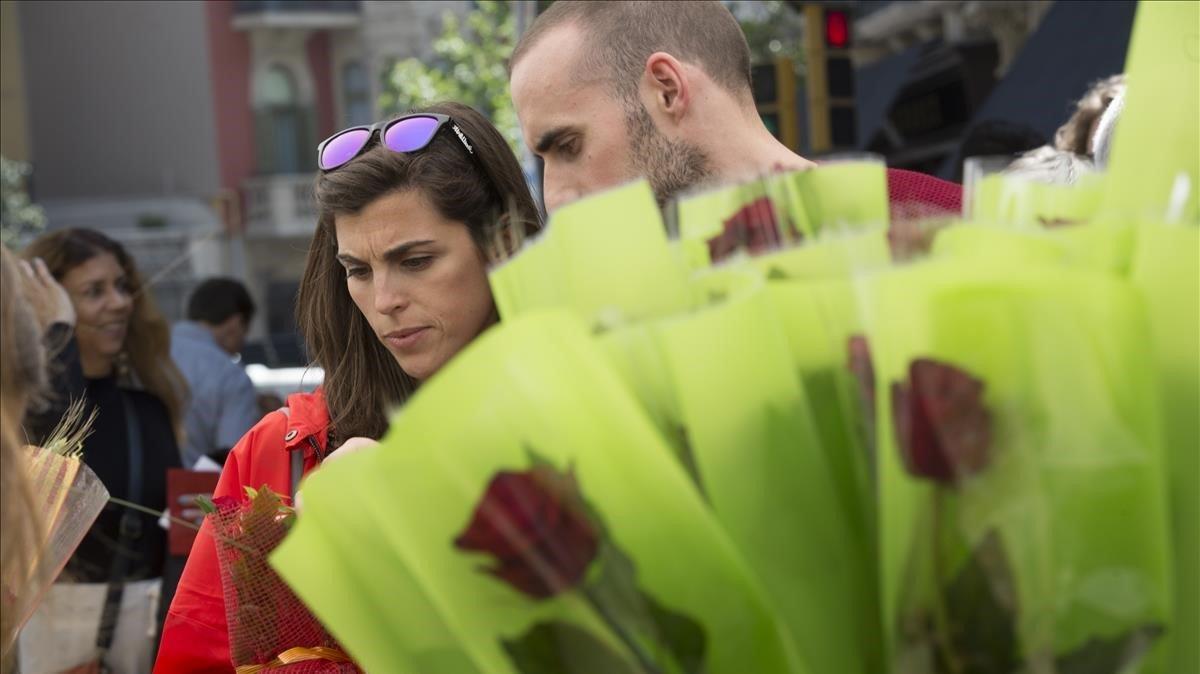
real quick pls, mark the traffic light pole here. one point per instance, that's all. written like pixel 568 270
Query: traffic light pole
pixel 819 137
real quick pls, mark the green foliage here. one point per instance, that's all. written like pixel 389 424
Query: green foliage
pixel 468 66
pixel 19 217
pixel 469 57
pixel 772 28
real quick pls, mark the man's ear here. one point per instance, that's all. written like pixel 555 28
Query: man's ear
pixel 669 84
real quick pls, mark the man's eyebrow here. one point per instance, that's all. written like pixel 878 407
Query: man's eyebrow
pixel 546 140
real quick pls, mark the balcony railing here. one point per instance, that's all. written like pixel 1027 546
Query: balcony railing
pixel 280 205
pixel 311 14
pixel 253 6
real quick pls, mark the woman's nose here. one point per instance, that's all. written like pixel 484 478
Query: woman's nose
pixel 119 300
pixel 390 296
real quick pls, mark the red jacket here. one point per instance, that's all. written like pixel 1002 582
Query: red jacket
pixel 195 638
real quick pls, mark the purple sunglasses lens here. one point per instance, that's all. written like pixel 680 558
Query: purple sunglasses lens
pixel 410 134
pixel 343 148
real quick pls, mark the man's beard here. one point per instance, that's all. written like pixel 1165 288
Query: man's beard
pixel 671 166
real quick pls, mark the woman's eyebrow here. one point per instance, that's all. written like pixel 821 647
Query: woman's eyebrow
pixel 390 255
pixel 396 252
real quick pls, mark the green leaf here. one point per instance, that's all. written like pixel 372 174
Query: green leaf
pixel 206 505
pixel 981 609
pixel 776 274
pixel 251 492
pixel 536 459
pixel 1109 655
pixel 683 637
pixel 641 616
pixel 687 456
pixel 558 647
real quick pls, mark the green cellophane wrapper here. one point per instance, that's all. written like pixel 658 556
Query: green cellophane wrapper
pixel 1044 544
pixel 605 257
pixel 819 318
pixel 724 387
pixel 1167 270
pixel 525 434
pixel 1157 140
pixel 749 427
pixel 834 198
pixel 1101 246
pixel 1011 200
pixel 833 254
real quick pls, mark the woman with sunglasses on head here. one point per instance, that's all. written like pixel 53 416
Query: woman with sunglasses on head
pixel 395 285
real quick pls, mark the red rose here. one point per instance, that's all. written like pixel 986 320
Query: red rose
pixel 226 504
pixel 942 426
pixel 536 526
pixel 754 226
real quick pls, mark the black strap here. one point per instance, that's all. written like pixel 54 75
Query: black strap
pixel 297 470
pixel 130 531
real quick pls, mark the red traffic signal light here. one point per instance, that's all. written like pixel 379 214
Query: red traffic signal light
pixel 837 29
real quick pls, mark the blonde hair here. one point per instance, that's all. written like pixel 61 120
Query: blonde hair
pixel 1076 135
pixel 22 377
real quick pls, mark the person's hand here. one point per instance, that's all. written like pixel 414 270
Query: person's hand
pixel 48 298
pixel 351 446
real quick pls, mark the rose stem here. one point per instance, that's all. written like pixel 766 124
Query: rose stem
pixel 175 520
pixel 942 637
pixel 646 662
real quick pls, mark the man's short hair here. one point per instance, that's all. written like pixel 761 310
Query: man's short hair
pixel 620 36
pixel 216 299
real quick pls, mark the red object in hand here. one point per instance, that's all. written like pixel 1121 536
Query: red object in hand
pixel 183 487
pixel 942 427
pixel 536 526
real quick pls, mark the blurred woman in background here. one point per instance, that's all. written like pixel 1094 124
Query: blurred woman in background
pixel 21 378
pixel 111 349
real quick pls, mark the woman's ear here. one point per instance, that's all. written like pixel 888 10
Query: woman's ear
pixel 667 81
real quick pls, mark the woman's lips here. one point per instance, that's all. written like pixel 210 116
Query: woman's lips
pixel 113 330
pixel 403 340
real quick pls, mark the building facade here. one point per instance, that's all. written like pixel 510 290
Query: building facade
pixel 187 130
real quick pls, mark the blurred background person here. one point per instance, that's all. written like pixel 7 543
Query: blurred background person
pixel 1051 165
pixel 1076 135
pixel 998 137
pixel 110 348
pixel 1106 129
pixel 21 377
pixel 223 404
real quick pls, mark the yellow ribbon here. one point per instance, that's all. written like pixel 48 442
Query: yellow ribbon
pixel 293 655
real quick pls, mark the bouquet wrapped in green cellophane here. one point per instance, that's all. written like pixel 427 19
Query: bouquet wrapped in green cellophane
pixel 750 433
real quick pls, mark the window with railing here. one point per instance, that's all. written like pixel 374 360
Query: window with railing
pixel 284 129
pixel 356 94
pixel 253 6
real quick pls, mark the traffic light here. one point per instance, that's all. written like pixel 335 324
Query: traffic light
pixel 775 98
pixel 828 38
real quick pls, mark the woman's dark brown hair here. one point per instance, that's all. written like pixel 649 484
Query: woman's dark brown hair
pixel 363 382
pixel 148 342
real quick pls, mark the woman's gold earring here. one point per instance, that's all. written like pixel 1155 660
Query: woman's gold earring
pixel 123 367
